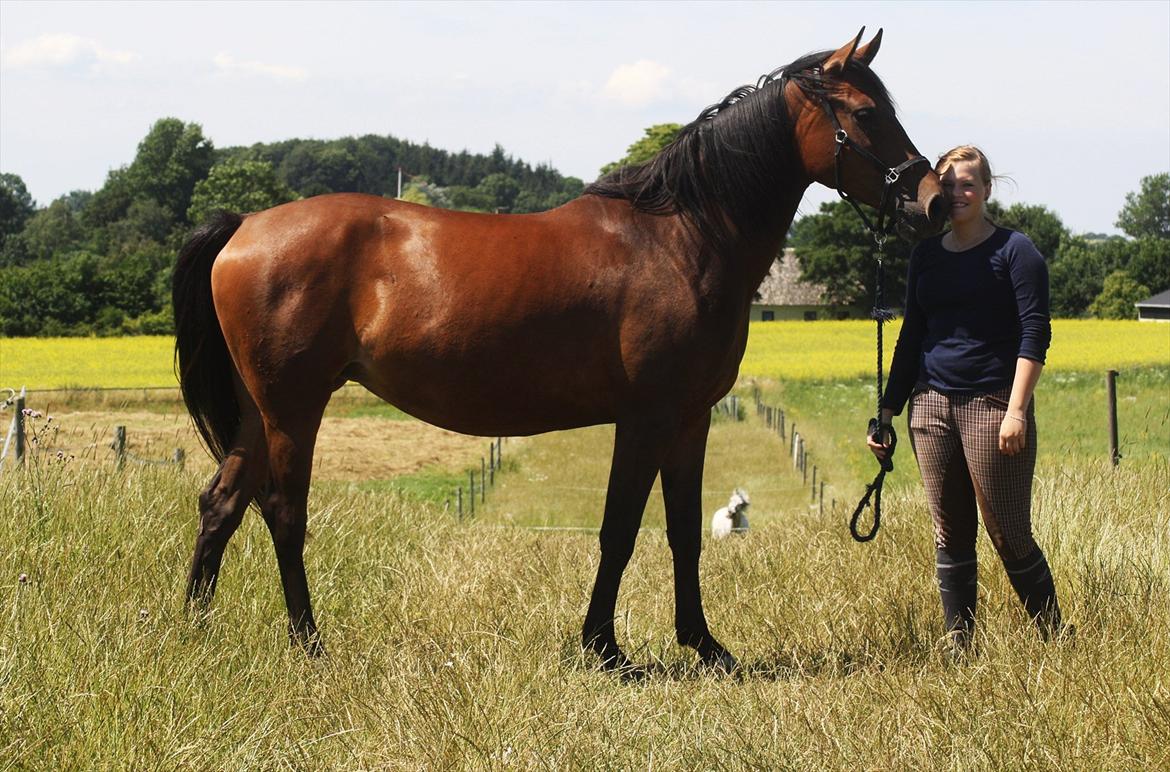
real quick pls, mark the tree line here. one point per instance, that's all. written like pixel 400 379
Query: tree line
pixel 100 262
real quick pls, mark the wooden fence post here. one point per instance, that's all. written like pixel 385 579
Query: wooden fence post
pixel 19 438
pixel 471 498
pixel 120 446
pixel 180 457
pixel 1111 399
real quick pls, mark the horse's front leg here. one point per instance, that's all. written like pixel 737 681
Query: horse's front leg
pixel 637 453
pixel 682 493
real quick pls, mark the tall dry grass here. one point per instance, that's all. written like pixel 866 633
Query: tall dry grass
pixel 454 645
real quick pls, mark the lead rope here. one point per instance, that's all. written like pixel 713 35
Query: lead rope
pixel 881 315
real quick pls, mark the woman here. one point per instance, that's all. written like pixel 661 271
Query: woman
pixel 968 358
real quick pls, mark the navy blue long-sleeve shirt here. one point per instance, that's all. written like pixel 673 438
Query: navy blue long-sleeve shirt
pixel 969 316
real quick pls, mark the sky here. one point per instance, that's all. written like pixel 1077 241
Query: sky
pixel 1070 100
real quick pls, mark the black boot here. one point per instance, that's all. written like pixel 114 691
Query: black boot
pixel 1032 581
pixel 957 573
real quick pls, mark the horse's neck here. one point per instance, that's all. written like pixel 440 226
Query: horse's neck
pixel 758 251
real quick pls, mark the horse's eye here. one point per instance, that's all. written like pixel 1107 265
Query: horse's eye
pixel 864 115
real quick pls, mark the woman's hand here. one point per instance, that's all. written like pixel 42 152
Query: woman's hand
pixel 1013 433
pixel 881 449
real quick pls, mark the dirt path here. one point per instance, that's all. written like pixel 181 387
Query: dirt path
pixel 348 449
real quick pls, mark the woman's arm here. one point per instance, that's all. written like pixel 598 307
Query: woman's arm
pixel 1029 275
pixel 1013 431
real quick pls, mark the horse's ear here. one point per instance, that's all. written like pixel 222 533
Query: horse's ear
pixel 868 51
pixel 835 64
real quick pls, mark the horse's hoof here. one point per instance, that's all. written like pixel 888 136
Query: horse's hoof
pixel 723 662
pixel 614 660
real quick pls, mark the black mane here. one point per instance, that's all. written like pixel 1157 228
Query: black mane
pixel 723 171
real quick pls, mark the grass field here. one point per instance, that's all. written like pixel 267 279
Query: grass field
pixel 454 644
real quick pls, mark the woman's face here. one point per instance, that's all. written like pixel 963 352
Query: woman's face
pixel 963 184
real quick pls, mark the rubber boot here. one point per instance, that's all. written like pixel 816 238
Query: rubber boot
pixel 1033 583
pixel 957 573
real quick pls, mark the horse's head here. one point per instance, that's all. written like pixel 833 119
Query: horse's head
pixel 849 138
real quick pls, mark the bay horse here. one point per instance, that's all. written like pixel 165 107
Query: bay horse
pixel 628 305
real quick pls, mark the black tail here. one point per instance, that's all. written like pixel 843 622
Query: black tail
pixel 202 361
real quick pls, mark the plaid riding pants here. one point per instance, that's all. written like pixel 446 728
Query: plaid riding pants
pixel 956 441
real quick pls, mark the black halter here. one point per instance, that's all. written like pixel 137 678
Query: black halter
pixel 892 175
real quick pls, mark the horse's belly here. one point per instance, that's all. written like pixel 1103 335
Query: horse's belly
pixel 494 392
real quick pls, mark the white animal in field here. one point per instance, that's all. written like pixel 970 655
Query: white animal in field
pixel 733 517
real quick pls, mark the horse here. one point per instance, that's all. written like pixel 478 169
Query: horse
pixel 628 305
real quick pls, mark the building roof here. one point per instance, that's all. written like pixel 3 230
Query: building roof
pixel 1161 300
pixel 783 287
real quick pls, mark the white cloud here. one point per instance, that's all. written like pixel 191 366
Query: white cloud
pixel 229 64
pixel 64 50
pixel 638 84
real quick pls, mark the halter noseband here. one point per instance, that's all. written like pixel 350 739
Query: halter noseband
pixel 891 177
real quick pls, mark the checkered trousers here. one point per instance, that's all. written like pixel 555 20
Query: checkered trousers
pixel 956 441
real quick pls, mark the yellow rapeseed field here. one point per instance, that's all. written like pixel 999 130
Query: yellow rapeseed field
pixel 836 350
pixel 54 363
pixel 779 350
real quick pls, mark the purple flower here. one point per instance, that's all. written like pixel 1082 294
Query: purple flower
pixel 30 413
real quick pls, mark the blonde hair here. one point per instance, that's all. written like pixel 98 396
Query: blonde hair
pixel 965 153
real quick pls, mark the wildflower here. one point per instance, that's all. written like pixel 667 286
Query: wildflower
pixel 23 579
pixel 143 614
pixel 28 412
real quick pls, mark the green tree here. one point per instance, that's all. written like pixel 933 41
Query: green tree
pixel 16 205
pixel 1075 277
pixel 314 168
pixel 420 191
pixel 500 189
pixel 1147 212
pixel 171 159
pixel 652 142
pixel 469 199
pixel 50 296
pixel 238 186
pixel 1150 263
pixel 835 250
pixel 1038 223
pixel 53 231
pixel 1118 297
pixel 145 222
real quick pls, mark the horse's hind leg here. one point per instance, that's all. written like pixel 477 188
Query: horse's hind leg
pixel 636 455
pixel 682 493
pixel 285 510
pixel 223 502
